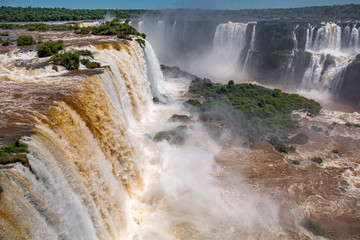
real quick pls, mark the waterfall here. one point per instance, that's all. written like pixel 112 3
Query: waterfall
pixel 251 49
pixel 140 26
pixel 332 50
pixel 228 45
pixel 290 67
pixel 354 38
pixel 83 155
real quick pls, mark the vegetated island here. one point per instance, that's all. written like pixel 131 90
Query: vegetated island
pixel 248 110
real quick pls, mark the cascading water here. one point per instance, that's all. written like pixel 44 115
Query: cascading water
pixel 84 161
pixel 251 49
pixel 229 42
pixel 332 50
pixel 290 67
pixel 94 174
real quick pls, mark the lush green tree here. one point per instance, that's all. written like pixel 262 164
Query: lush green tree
pixel 25 40
pixel 49 48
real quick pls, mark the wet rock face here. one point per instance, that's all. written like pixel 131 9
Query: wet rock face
pixel 351 83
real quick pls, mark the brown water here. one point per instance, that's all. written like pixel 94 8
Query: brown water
pixel 97 176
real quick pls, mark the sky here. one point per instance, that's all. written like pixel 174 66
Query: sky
pixel 163 4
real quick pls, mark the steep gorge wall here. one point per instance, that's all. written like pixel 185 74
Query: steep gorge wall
pixel 294 54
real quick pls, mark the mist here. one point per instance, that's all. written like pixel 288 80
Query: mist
pixel 190 193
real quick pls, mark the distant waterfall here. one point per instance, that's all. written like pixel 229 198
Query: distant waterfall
pixel 228 44
pixel 332 48
pixel 290 67
pixel 251 49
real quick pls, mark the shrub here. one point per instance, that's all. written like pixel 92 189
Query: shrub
pixel 70 60
pixel 91 65
pixel 83 30
pixel 49 48
pixel 25 40
pixel 278 145
pixel 88 64
pixel 141 42
pixel 115 27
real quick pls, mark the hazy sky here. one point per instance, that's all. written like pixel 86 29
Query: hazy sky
pixel 156 4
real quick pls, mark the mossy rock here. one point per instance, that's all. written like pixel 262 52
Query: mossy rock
pixel 14 152
pixel 278 144
pixel 317 160
pixel 312 226
pixel 179 118
pixel 295 162
pixel 300 139
pixel 176 136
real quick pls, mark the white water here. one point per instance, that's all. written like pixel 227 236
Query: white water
pixel 229 42
pixel 95 174
pixel 328 40
pixel 290 67
pixel 252 48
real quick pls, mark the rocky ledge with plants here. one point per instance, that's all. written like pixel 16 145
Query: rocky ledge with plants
pixel 14 152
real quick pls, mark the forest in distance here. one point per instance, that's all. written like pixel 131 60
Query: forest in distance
pixel 334 13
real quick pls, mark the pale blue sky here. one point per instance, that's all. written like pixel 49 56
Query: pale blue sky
pixel 156 4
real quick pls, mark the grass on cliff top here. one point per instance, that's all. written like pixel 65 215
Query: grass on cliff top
pixel 14 152
pixel 249 108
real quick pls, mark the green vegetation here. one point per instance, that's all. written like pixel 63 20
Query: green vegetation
pixel 6 33
pixel 49 48
pixel 31 14
pixel 312 226
pixel 141 42
pixel 179 118
pixel 40 26
pixel 175 136
pixel 193 102
pixel 278 145
pixel 89 64
pixel 14 152
pixel 322 13
pixel 317 160
pixel 25 40
pixel 83 30
pixel 70 59
pixel 115 27
pixel 254 109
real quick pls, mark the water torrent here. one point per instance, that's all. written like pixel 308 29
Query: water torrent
pixel 251 49
pixel 290 67
pixel 332 51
